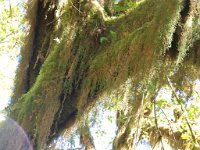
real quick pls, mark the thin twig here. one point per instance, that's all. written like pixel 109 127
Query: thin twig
pixel 76 7
pixel 182 108
pixel 169 124
pixel 156 121
pixel 155 143
pixel 108 146
pixel 10 9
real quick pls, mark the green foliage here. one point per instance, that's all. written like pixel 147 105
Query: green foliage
pixel 113 35
pixel 110 118
pixel 151 87
pixel 12 31
pixel 123 6
pixel 103 40
pixel 161 103
pixel 11 27
pixel 193 112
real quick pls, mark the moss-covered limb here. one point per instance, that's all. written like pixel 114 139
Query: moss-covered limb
pixel 86 138
pixel 127 121
pixel 21 74
pixel 36 109
pixel 116 64
pixel 187 32
pixel 189 69
pixel 167 134
pixel 42 40
pixel 188 29
pixel 177 143
pixel 100 77
pixel 41 103
pixel 44 101
pixel 79 68
pixel 174 22
pixel 130 116
pixel 139 43
pixel 75 73
pixel 120 60
pixel 194 54
pixel 37 45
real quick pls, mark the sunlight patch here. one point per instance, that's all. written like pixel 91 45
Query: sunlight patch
pixel 2 118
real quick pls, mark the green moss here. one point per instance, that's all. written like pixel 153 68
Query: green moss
pixel 140 46
pixel 49 72
pixel 41 102
pixel 156 33
pixel 109 54
pixel 190 33
pixel 137 43
pixel 123 6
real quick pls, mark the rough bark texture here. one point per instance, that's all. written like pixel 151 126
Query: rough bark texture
pixel 65 66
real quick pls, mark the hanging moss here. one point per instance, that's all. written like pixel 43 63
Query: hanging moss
pixel 189 31
pixel 79 68
pixel 148 41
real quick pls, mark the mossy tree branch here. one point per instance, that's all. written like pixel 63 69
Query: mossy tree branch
pixel 77 68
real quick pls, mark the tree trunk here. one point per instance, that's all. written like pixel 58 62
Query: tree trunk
pixel 71 59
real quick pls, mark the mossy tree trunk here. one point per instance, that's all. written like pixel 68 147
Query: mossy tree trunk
pixel 70 59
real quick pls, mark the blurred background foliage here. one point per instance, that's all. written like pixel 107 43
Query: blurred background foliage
pixel 12 31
